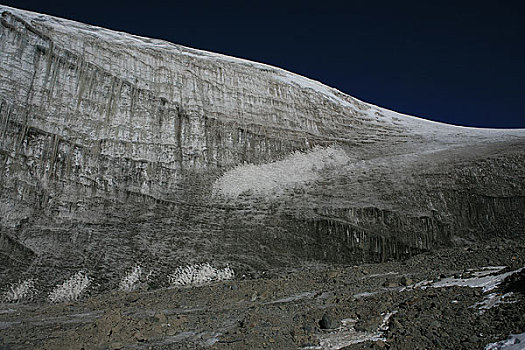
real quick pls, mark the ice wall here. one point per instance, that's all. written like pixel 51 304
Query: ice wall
pixel 110 145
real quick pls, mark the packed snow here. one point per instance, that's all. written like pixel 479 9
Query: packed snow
pixel 296 169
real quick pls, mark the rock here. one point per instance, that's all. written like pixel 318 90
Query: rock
pixel 437 342
pixel 327 322
pixel 396 324
pixel 139 336
pixel 170 330
pixel 333 274
pixel 161 317
pixel 405 281
pixel 368 324
pixel 4 346
pixel 380 344
pixel 390 284
pixel 307 328
pixel 473 339
pixel 435 324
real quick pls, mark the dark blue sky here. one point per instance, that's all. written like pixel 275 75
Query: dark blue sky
pixel 458 63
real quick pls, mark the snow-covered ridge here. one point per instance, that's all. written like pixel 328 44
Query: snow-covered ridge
pixel 123 38
pixel 127 39
pixel 63 30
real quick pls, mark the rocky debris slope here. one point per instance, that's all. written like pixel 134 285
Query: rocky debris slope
pixel 396 305
pixel 113 149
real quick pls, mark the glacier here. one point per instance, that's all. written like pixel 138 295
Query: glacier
pixel 114 150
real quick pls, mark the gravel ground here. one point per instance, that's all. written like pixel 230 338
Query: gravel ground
pixel 389 305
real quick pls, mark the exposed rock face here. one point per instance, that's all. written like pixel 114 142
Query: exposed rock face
pixel 110 146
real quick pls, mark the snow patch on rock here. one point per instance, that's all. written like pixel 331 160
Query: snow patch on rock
pixel 487 282
pixel 346 335
pixel 513 342
pixel 492 300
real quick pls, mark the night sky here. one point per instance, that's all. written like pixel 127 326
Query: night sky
pixel 458 63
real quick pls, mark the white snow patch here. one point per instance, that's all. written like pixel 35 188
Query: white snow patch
pixel 71 289
pixel 305 295
pixel 131 281
pixel 492 300
pixel 7 311
pixel 298 168
pixel 384 325
pixel 346 335
pixel 488 270
pixel 484 278
pixel 199 274
pixel 391 273
pixel 513 342
pixel 487 282
pixel 364 295
pixel 21 291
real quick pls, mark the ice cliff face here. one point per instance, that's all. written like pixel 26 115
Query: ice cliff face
pixel 116 148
